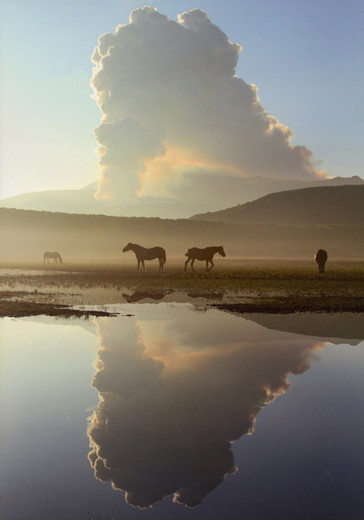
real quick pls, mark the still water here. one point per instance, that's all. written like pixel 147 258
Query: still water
pixel 172 411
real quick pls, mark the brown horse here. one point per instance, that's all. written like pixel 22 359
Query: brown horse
pixel 206 254
pixel 142 254
pixel 321 259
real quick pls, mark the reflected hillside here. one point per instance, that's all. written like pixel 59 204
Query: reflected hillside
pixel 333 328
pixel 176 390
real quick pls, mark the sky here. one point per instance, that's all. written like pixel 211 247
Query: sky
pixel 304 56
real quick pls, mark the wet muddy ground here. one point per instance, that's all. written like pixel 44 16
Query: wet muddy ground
pixel 88 290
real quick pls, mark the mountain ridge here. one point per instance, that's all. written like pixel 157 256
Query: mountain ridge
pixel 199 194
pixel 323 205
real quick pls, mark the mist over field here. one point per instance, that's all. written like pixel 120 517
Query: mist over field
pixel 25 235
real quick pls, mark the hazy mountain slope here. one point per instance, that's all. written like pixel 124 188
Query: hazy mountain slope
pixel 25 235
pixel 66 201
pixel 308 206
pixel 197 194
pixel 83 202
pixel 324 325
pixel 225 192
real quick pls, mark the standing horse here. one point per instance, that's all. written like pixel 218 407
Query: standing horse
pixel 55 256
pixel 321 259
pixel 142 254
pixel 206 254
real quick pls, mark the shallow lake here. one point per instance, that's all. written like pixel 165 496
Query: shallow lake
pixel 184 411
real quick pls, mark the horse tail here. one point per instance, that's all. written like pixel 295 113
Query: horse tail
pixel 164 256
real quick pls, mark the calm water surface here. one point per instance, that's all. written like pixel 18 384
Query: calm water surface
pixel 172 411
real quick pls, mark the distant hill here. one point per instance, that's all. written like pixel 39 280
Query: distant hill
pixel 65 201
pixel 83 202
pixel 342 205
pixel 197 194
pixel 25 235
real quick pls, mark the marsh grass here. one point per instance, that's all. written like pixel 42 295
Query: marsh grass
pixel 275 278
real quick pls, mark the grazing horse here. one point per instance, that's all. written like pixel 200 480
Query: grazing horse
pixel 142 254
pixel 206 254
pixel 320 259
pixel 55 256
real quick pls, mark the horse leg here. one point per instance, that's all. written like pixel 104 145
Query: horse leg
pixel 143 264
pixel 138 265
pixel 212 265
pixel 193 261
pixel 186 262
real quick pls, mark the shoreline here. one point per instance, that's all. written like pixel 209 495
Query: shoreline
pixel 263 289
pixel 243 289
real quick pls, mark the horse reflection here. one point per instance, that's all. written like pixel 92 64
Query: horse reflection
pixel 205 254
pixel 141 295
pixel 52 255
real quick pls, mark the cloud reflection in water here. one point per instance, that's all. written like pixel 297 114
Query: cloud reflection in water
pixel 175 390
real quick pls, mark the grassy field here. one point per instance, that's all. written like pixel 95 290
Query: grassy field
pixel 241 285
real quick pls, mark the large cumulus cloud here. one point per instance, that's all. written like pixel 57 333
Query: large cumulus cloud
pixel 176 392
pixel 171 104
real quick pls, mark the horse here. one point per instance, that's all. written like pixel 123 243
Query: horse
pixel 321 259
pixel 143 253
pixel 55 256
pixel 206 254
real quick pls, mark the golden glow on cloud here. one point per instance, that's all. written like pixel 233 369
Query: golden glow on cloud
pixel 166 170
pixel 171 102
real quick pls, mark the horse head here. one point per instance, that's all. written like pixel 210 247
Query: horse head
pixel 127 247
pixel 221 251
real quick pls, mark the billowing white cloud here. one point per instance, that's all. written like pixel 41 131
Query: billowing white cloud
pixel 171 104
pixel 175 392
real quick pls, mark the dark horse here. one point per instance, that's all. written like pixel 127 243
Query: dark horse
pixel 142 254
pixel 321 259
pixel 206 254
